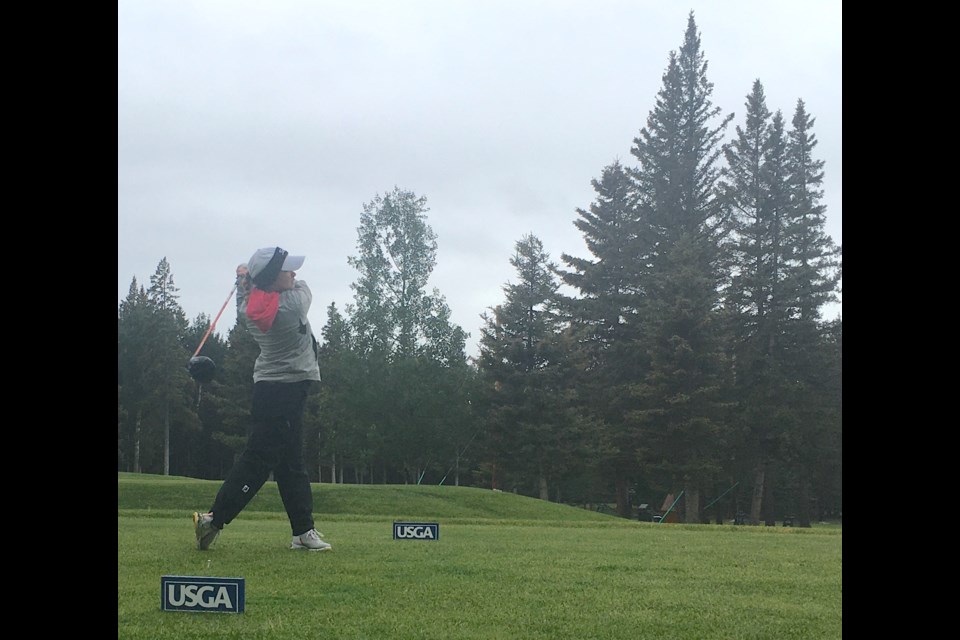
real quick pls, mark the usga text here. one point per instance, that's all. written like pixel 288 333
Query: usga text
pixel 416 530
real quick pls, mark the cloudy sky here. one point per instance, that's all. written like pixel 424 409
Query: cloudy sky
pixel 244 124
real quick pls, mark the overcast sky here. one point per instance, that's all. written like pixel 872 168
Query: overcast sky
pixel 245 124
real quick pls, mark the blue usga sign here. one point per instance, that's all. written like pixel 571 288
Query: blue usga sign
pixel 416 530
pixel 196 593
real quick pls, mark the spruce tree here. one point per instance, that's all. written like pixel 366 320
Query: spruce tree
pixel 522 359
pixel 171 388
pixel 815 266
pixel 784 270
pixel 336 443
pixel 155 389
pixel 605 319
pixel 812 282
pixel 756 192
pixel 133 323
pixel 681 416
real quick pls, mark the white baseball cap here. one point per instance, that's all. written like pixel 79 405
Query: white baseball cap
pixel 266 264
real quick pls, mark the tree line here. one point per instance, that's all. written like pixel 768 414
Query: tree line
pixel 686 356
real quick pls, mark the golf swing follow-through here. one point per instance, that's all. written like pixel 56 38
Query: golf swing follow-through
pixel 273 305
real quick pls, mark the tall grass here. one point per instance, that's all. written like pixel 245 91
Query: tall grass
pixel 504 567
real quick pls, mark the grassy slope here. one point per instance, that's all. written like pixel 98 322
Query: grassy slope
pixel 167 494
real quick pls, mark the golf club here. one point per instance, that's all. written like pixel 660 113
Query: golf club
pixel 202 368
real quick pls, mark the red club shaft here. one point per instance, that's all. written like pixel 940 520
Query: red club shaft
pixel 214 323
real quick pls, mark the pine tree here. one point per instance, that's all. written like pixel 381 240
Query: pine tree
pixel 784 270
pixel 756 191
pixel 171 386
pixel 812 282
pixel 334 358
pixel 606 320
pixel 746 192
pixel 533 434
pixel 682 398
pixel 133 319
pixel 153 375
pixel 815 267
pixel 347 437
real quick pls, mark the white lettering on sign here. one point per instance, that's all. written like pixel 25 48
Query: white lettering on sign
pixel 418 532
pixel 193 596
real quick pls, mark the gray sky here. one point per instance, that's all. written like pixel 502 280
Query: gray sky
pixel 244 124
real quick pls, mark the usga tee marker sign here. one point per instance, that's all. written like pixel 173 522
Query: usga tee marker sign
pixel 416 530
pixel 196 593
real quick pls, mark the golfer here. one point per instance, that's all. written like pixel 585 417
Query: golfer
pixel 273 304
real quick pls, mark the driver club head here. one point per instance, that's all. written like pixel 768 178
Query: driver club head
pixel 202 368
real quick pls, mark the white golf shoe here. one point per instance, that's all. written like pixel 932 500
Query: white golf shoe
pixel 207 534
pixel 310 541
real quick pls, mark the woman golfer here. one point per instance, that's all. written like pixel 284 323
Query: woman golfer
pixel 273 304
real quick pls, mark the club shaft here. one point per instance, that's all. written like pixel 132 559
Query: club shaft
pixel 214 323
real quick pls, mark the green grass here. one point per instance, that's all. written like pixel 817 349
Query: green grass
pixel 505 566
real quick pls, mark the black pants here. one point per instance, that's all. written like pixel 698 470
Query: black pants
pixel 275 444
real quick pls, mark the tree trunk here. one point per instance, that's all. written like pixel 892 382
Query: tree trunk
pixel 769 503
pixel 333 467
pixel 623 496
pixel 320 459
pixel 803 512
pixel 166 438
pixel 544 494
pixel 136 443
pixel 720 513
pixel 691 497
pixel 756 503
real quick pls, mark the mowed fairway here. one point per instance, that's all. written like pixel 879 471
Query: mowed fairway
pixel 505 566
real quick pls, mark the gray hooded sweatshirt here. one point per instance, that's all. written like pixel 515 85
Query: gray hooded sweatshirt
pixel 288 351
